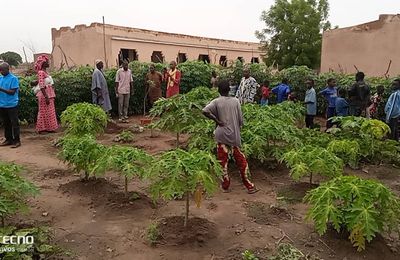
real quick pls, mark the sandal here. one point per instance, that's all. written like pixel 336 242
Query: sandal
pixel 6 143
pixel 253 190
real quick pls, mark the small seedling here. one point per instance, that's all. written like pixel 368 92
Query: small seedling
pixel 248 255
pixel 153 234
pixel 124 137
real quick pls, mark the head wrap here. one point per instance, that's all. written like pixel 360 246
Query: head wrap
pixel 39 62
pixel 98 61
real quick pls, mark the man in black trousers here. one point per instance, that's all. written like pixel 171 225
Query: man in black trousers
pixel 9 98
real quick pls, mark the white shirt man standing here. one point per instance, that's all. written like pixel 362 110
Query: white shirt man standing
pixel 123 85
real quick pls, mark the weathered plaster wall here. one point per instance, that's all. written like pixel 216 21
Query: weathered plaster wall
pixel 84 44
pixel 369 47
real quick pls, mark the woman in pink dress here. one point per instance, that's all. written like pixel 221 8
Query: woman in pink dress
pixel 46 119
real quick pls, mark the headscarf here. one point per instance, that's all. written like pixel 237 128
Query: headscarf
pixel 97 62
pixel 39 62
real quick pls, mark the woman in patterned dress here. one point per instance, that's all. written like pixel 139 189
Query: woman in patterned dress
pixel 46 119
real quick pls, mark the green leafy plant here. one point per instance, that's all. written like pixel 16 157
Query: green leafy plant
pixel 14 190
pixel 83 153
pixel 310 160
pixel 128 161
pixel 84 118
pixel 180 112
pixel 153 233
pixel 180 172
pixel 362 207
pixel 288 252
pixel 125 136
pixel 248 255
pixel 271 128
pixel 348 151
pixel 42 248
pixel 375 128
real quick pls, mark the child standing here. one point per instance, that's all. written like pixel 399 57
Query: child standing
pixel 310 101
pixel 330 94
pixel 265 91
pixel 342 106
pixel 376 110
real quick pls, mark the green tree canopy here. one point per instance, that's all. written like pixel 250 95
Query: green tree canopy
pixel 293 32
pixel 12 58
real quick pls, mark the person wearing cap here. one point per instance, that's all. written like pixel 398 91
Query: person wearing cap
pixel 100 94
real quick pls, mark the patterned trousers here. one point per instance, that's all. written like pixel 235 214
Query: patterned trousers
pixel 241 162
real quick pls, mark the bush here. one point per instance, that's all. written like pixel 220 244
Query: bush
pixel 84 118
pixel 362 207
pixel 13 190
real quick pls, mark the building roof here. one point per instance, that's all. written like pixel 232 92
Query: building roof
pixel 131 29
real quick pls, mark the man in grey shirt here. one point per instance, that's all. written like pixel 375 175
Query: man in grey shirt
pixel 227 114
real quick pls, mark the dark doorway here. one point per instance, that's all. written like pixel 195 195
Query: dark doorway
pixel 223 61
pixel 204 58
pixel 181 57
pixel 127 55
pixel 255 60
pixel 157 57
pixel 240 59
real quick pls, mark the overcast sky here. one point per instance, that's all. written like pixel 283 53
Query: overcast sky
pixel 28 23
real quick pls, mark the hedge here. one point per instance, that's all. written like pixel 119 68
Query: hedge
pixel 74 85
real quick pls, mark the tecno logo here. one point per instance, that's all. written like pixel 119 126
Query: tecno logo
pixel 17 240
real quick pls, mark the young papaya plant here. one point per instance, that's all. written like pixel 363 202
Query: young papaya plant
pixel 82 153
pixel 181 172
pixel 310 160
pixel 14 190
pixel 375 129
pixel 362 207
pixel 84 118
pixel 128 161
pixel 178 113
pixel 347 150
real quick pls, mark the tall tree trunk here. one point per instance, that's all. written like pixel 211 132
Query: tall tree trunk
pixel 187 210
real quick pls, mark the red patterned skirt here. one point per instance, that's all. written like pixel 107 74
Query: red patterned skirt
pixel 46 119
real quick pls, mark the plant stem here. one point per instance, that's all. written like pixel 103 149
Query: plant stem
pixel 187 210
pixel 86 175
pixel 311 179
pixel 2 221
pixel 126 186
pixel 177 139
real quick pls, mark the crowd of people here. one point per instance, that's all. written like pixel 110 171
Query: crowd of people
pixel 225 110
pixel 357 100
pixel 43 89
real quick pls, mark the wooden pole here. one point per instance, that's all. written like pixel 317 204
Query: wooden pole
pixel 104 39
pixel 26 59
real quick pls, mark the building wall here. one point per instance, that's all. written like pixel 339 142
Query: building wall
pixel 369 47
pixel 84 44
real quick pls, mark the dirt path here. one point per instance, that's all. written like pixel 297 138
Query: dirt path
pixel 90 220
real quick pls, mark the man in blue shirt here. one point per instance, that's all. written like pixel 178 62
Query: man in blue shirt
pixel 310 101
pixel 282 91
pixel 9 86
pixel 330 93
pixel 392 110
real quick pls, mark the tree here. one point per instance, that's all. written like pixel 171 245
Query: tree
pixel 12 58
pixel 293 32
pixel 179 172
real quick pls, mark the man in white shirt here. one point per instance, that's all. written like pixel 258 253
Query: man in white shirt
pixel 123 85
